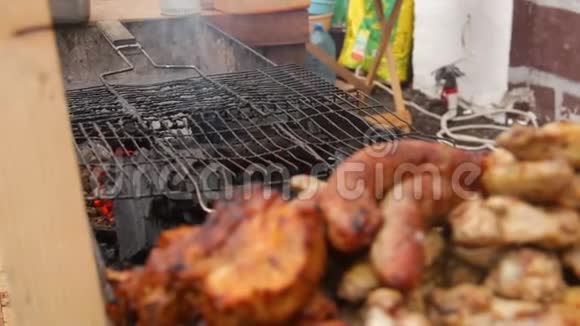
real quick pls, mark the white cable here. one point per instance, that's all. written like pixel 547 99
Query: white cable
pixel 472 139
pixel 467 127
pixel 479 143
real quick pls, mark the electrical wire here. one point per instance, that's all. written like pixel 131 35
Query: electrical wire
pixel 479 143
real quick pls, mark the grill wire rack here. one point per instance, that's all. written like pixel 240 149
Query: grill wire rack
pixel 203 134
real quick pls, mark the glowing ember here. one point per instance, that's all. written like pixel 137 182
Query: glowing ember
pixel 105 207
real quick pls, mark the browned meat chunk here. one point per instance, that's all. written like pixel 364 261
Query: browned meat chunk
pixel 257 260
pixel 528 275
pixel 541 182
pixel 504 220
pixel 572 259
pixel 553 141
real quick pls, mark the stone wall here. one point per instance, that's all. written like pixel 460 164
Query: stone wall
pixel 545 55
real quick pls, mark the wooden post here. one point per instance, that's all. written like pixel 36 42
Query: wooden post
pixel 387 27
pixel 403 117
pixel 336 67
pixel 44 233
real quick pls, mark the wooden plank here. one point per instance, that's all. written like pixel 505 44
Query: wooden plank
pixel 6 314
pixel 340 70
pixel 285 54
pixel 132 10
pixel 258 30
pixel 44 238
pixel 388 120
pixel 245 7
pixel 125 10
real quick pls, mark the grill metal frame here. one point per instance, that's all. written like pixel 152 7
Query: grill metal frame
pixel 282 116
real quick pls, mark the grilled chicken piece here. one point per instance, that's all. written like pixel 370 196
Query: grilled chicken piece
pixel 500 157
pixel 458 305
pixel 398 252
pixel 267 269
pixel 386 299
pixel 542 182
pixel 559 140
pixel 350 201
pixel 362 278
pixel 358 282
pixel 307 186
pixel 572 259
pixel 470 305
pixel 148 294
pixel 482 257
pixel 572 297
pixel 458 272
pixel 529 275
pixel 319 310
pixel 570 197
pixel 434 246
pixel 561 315
pixel 256 261
pixel 502 309
pixel 378 317
pixel 504 220
pixel 387 307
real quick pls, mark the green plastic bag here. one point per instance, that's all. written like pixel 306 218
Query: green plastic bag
pixel 340 10
pixel 364 34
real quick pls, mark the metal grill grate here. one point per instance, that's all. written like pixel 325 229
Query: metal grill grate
pixel 204 133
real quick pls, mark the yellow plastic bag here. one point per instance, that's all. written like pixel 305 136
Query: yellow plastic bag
pixel 355 15
pixel 363 34
pixel 401 43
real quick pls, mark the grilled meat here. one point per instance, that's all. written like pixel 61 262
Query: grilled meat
pixel 358 282
pixel 505 220
pixel 306 186
pixel 558 140
pixel 572 259
pixel 259 259
pixel 541 182
pixel 434 246
pixel 457 305
pixel 570 197
pixel 529 275
pixel 458 272
pixel 387 307
pixel 256 261
pixel 398 252
pixel 319 310
pixel 482 257
pixel 350 201
pixel 470 305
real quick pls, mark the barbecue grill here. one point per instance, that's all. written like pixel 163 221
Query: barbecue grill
pixel 280 117
pixel 187 141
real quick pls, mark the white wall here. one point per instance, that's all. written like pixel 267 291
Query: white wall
pixel 474 34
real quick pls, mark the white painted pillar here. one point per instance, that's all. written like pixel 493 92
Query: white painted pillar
pixel 475 35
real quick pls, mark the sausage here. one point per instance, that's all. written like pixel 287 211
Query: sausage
pixel 398 252
pixel 350 200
